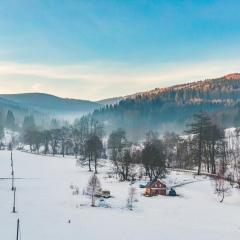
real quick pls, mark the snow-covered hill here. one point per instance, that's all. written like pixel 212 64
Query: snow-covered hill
pixel 45 204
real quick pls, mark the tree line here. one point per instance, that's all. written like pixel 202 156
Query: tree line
pixel 206 147
pixel 87 141
pixel 203 146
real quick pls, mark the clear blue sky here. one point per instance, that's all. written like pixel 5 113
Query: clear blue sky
pixel 103 48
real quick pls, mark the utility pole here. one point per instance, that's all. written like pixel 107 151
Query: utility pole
pixel 17 228
pixel 14 201
pixel 12 182
pixel 12 173
pixel 12 161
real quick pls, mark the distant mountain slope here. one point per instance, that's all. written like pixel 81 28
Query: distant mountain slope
pixel 171 108
pixel 5 103
pixel 19 110
pixel 110 101
pixel 49 103
pixel 219 89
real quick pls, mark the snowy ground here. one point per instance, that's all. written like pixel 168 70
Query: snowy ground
pixel 45 204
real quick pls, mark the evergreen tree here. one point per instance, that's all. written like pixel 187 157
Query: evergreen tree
pixel 93 149
pixel 199 131
pixel 1 128
pixel 1 134
pixel 54 124
pixel 10 120
pixel 29 123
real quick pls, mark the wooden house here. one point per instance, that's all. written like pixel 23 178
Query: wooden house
pixel 155 187
pixel 106 194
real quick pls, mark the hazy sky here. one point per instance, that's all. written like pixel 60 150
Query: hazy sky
pixel 104 48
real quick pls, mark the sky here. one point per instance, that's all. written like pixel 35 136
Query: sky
pixel 96 49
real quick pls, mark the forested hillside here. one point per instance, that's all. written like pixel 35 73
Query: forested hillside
pixel 48 103
pixel 171 108
pixel 19 111
pixel 44 106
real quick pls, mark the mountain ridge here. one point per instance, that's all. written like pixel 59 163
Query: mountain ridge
pixel 231 76
pixel 52 105
pixel 173 107
pixel 151 107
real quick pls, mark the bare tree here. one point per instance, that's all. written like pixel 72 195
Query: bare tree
pixel 170 140
pixel 63 138
pixel 234 153
pixel 82 130
pixel 154 158
pixel 125 166
pixel 184 153
pixel 212 137
pixel 93 188
pixel 118 147
pixel 54 140
pixel 222 186
pixel 80 133
pixel 131 197
pixel 46 139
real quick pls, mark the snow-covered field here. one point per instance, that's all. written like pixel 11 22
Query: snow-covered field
pixel 45 204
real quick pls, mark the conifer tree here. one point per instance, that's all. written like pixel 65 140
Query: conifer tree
pixel 10 120
pixel 199 131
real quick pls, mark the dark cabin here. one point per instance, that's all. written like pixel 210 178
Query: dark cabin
pixel 155 187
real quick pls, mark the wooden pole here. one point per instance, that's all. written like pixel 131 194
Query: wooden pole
pixel 12 173
pixel 11 159
pixel 14 201
pixel 12 182
pixel 17 228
